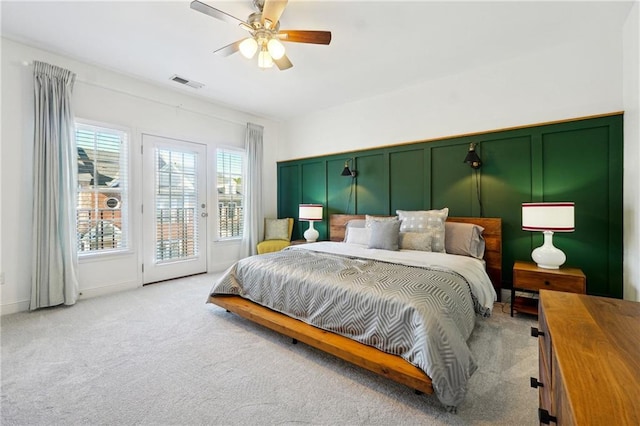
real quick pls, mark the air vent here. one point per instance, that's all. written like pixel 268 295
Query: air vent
pixel 186 81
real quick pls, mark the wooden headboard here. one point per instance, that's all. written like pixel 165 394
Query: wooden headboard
pixel 492 237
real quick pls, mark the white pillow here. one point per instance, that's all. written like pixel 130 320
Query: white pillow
pixel 353 223
pixel 358 236
pixel 426 221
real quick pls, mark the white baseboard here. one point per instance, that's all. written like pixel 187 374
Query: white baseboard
pixel 12 308
pixel 87 293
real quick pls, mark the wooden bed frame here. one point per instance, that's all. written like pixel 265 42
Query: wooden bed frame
pixel 391 366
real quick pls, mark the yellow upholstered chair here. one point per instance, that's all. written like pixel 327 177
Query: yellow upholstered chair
pixel 277 235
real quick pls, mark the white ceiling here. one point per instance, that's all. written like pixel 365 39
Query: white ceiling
pixel 377 46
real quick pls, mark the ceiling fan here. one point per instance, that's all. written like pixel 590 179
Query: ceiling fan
pixel 266 37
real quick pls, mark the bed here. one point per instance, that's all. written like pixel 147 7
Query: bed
pixel 258 288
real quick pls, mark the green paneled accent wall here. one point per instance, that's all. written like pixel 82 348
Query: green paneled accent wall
pixel 407 165
pixel 314 190
pixel 578 160
pixel 506 183
pixel 372 192
pixel 289 191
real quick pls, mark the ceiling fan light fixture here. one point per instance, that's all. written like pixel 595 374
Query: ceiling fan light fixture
pixel 276 49
pixel 264 59
pixel 248 47
pixel 265 35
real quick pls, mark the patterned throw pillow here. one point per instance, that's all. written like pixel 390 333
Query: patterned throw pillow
pixel 276 229
pixel 426 221
pixel 370 219
pixel 415 241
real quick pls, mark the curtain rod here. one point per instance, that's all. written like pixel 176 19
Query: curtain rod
pixel 242 123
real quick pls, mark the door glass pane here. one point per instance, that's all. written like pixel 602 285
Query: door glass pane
pixel 176 197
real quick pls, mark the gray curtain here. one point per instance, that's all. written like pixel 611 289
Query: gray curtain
pixel 55 258
pixel 253 211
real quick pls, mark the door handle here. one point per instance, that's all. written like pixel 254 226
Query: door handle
pixel 204 214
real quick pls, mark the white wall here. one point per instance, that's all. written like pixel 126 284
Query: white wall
pixel 568 81
pixel 631 101
pixel 103 96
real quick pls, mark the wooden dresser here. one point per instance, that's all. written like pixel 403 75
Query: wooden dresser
pixel 589 356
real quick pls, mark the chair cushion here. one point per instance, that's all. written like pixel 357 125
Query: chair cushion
pixel 272 245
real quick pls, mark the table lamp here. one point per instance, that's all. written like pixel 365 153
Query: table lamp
pixel 548 218
pixel 310 213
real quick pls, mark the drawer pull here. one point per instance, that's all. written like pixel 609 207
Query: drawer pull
pixel 536 333
pixel 545 417
pixel 546 282
pixel 535 383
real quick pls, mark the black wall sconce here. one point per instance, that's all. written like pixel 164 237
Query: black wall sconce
pixel 474 161
pixel 347 171
pixel 352 173
pixel 472 157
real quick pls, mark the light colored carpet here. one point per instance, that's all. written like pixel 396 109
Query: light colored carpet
pixel 160 356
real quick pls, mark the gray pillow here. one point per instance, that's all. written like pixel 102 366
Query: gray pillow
pixel 276 229
pixel 356 223
pixel 384 234
pixel 464 239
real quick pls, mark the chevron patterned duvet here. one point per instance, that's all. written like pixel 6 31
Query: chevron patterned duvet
pixel 425 314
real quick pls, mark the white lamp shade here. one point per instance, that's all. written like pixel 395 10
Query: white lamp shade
pixel 548 218
pixel 556 217
pixel 248 47
pixel 310 212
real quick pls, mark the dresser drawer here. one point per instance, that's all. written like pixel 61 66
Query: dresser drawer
pixel 544 343
pixel 545 388
pixel 537 280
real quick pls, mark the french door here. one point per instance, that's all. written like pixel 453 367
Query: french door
pixel 174 211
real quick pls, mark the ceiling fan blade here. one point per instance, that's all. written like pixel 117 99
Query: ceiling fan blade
pixel 302 36
pixel 272 11
pixel 216 13
pixel 283 63
pixel 229 49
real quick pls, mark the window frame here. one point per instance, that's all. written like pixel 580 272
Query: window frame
pixel 242 153
pixel 126 213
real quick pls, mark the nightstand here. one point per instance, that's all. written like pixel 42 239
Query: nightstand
pixel 296 242
pixel 527 277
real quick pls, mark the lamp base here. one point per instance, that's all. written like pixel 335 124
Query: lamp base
pixel 547 256
pixel 311 235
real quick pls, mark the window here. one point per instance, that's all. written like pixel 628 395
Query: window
pixel 102 207
pixel 230 198
pixel 176 192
